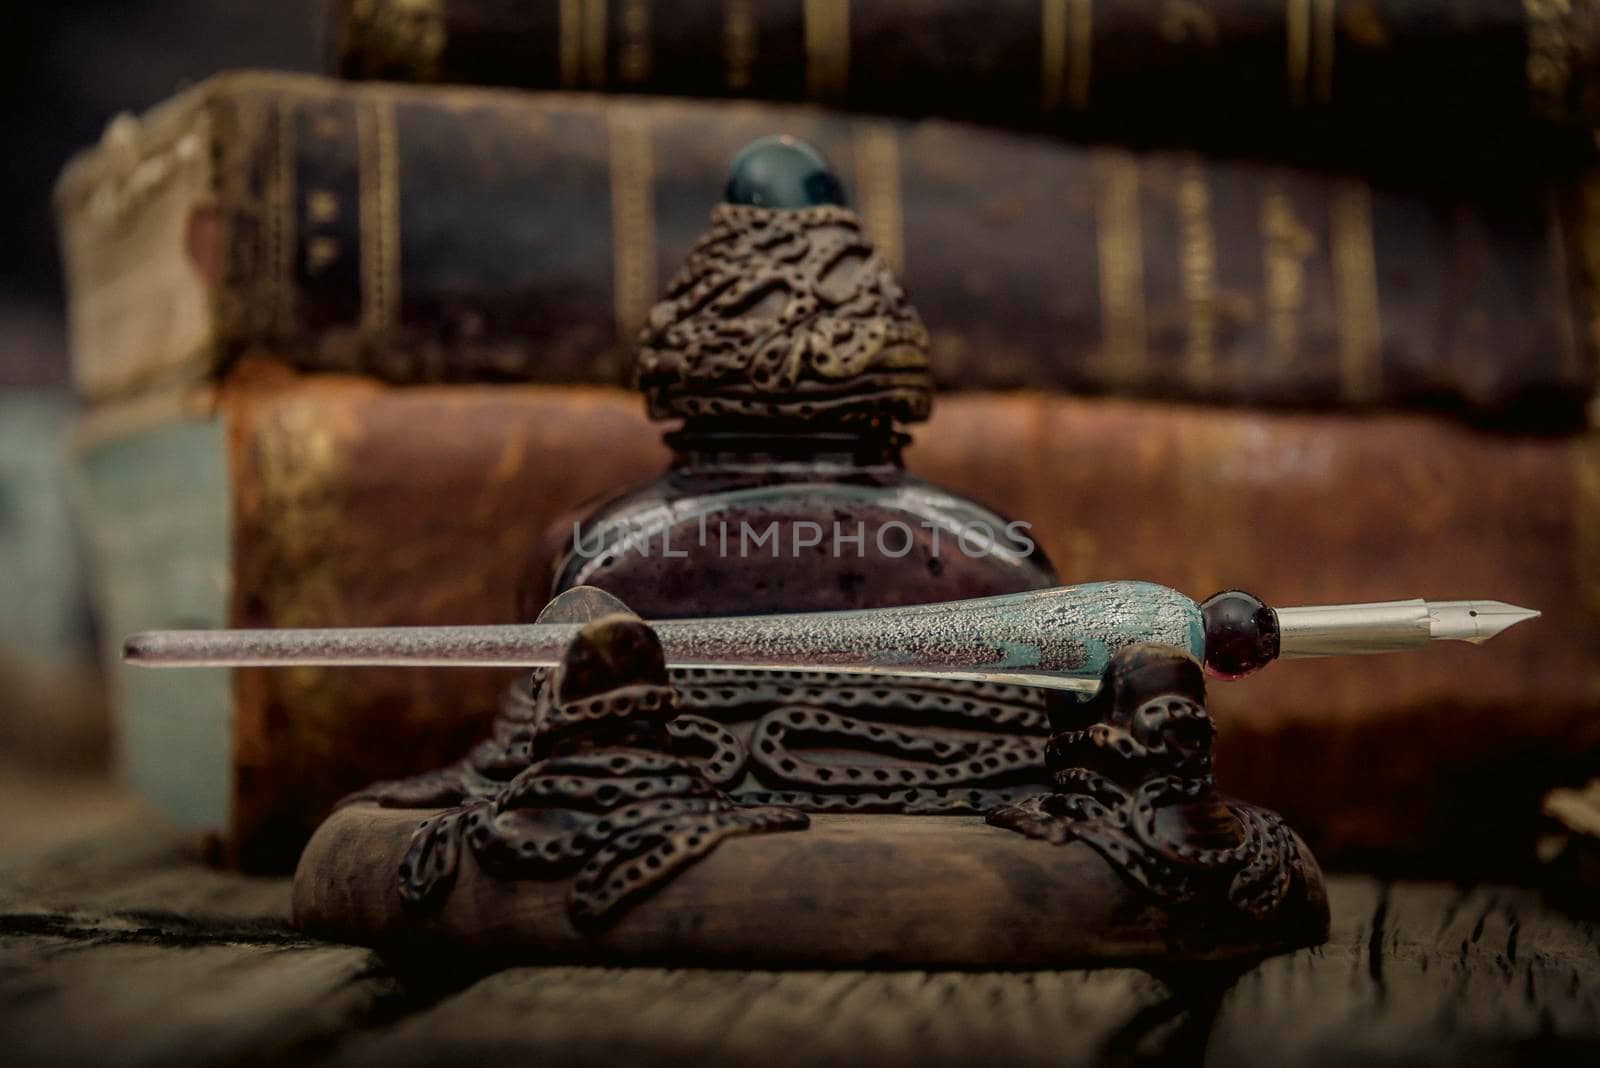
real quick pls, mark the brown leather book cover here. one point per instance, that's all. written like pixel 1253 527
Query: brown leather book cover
pixel 450 234
pixel 359 504
pixel 1381 80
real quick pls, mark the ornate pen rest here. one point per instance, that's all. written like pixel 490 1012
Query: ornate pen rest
pixel 622 813
pixel 598 825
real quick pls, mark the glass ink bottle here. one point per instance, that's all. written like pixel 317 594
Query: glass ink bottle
pixel 789 352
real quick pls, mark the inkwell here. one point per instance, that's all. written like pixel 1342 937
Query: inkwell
pixel 788 350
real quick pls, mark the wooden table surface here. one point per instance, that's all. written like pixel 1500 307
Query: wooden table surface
pixel 125 948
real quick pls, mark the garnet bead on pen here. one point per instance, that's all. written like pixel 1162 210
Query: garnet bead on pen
pixel 1241 634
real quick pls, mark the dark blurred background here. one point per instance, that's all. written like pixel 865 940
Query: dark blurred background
pixel 69 67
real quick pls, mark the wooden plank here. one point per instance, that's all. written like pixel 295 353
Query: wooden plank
pixel 608 1016
pixel 128 949
pixel 117 998
pixel 1413 973
pixel 1426 971
pixel 142 867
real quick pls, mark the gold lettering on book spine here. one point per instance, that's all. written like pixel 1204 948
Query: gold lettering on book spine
pixel 321 253
pixel 394 39
pixel 1121 254
pixel 570 27
pixel 1571 364
pixel 633 223
pixel 322 207
pixel 282 237
pixel 1197 250
pixel 739 43
pixel 1066 32
pixel 1563 38
pixel 827 48
pixel 379 217
pixel 1286 243
pixel 1355 285
pixel 1309 39
pixel 1297 34
pixel 594 43
pixel 878 185
pixel 633 56
pixel 1322 43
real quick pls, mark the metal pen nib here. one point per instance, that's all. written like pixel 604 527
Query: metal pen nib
pixel 1059 638
pixel 1474 621
pixel 1391 626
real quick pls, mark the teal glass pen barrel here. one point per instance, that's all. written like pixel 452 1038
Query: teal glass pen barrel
pixel 792 357
pixel 1058 639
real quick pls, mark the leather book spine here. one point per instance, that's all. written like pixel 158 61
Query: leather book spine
pixel 1380 80
pixel 468 235
pixel 346 510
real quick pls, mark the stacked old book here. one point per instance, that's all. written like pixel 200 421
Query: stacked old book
pixel 1299 297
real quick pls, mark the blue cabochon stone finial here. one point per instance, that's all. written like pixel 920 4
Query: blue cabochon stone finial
pixel 782 172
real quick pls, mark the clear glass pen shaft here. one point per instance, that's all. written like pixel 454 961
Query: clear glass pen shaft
pixel 1042 638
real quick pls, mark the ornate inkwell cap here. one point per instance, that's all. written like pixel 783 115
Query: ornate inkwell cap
pixel 784 309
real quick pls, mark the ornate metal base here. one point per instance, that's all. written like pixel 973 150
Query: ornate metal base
pixel 852 890
pixel 595 825
pixel 1132 768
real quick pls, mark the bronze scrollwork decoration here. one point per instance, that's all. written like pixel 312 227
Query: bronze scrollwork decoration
pixel 1133 780
pixel 818 741
pixel 602 800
